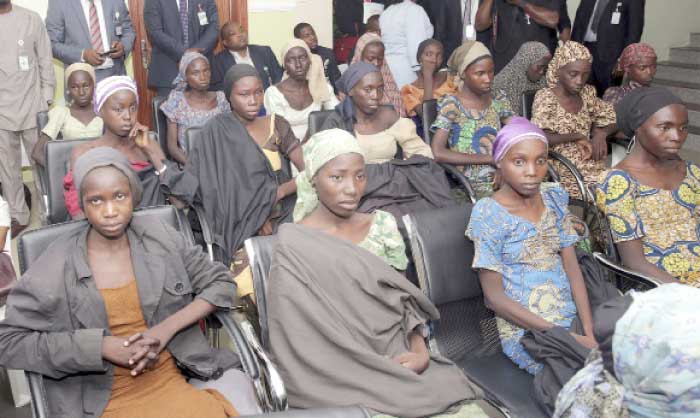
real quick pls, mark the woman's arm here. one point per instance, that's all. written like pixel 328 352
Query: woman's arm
pixel 556 139
pixel 173 147
pixel 599 139
pixel 484 15
pixel 496 299
pixel 632 254
pixel 542 15
pixel 445 155
pixel 407 137
pixel 578 288
pixel 418 359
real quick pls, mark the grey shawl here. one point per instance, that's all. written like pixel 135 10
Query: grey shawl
pixel 336 322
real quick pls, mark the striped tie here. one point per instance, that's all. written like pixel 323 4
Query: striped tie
pixel 184 21
pixel 95 32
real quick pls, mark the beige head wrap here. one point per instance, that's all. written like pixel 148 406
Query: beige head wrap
pixel 464 56
pixel 318 87
pixel 81 66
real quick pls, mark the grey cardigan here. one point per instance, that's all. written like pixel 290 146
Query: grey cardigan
pixel 56 319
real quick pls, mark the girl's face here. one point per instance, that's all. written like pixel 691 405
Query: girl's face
pixel 247 97
pixel 478 77
pixel 198 75
pixel 297 63
pixel 665 132
pixel 368 92
pixel 340 184
pixel 644 72
pixel 524 167
pixel 574 76
pixel 536 70
pixel 433 55
pixel 107 201
pixel 80 88
pixel 119 112
pixel 374 54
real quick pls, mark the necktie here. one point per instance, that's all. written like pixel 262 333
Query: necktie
pixel 466 18
pixel 184 21
pixel 95 31
pixel 600 7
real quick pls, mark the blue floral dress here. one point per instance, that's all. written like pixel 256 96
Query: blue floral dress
pixel 527 256
pixel 179 111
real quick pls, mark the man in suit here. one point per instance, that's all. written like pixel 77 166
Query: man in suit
pixel 174 27
pixel 606 27
pixel 454 22
pixel 306 33
pixel 87 30
pixel 238 51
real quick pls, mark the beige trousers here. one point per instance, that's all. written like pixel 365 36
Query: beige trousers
pixel 11 169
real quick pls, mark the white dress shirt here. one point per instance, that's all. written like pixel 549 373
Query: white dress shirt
pixel 103 29
pixel 240 59
pixel 475 8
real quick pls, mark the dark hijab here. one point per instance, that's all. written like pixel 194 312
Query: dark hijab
pixel 639 105
pixel 235 73
pixel 350 78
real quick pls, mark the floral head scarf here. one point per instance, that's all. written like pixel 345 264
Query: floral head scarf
pixel 180 81
pixel 633 54
pixel 392 95
pixel 566 54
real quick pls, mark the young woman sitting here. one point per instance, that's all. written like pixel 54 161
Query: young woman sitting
pixel 467 122
pixel 379 129
pixel 109 314
pixel 78 120
pixel 651 197
pixel 525 72
pixel 303 89
pixel 637 64
pixel 369 322
pixel 190 103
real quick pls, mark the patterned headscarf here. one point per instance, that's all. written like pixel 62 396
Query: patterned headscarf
pixel 81 66
pixel 464 56
pixel 513 80
pixel 517 130
pixel 180 81
pixel 318 86
pixel 111 85
pixel 392 95
pixel 564 55
pixel 320 149
pixel 656 353
pixel 633 54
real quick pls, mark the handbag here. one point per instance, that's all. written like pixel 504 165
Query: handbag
pixel 8 276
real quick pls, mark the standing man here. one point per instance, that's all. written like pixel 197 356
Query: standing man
pixel 606 27
pixel 238 51
pixel 306 33
pixel 27 82
pixel 174 27
pixel 455 22
pixel 98 32
pixel 514 22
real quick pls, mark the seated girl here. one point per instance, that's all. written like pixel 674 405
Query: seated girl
pixel 651 197
pixel 524 247
pixel 467 122
pixel 116 101
pixel 432 82
pixel 637 64
pixel 369 322
pixel 78 120
pixel 303 89
pixel 525 72
pixel 378 129
pixel 190 103
pixel 370 49
pixel 109 314
pixel 576 121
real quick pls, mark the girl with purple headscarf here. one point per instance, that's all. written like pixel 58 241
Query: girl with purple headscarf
pixel 524 247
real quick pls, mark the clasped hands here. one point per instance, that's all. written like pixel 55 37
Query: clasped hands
pixel 140 352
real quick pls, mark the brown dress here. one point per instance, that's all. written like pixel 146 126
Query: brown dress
pixel 159 393
pixel 548 114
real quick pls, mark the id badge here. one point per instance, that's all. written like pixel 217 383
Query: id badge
pixel 202 15
pixel 471 32
pixel 119 30
pixel 23 63
pixel 615 18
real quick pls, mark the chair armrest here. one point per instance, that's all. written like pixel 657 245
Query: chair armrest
pixel 278 393
pixel 626 273
pixel 460 178
pixel 36 387
pixel 206 230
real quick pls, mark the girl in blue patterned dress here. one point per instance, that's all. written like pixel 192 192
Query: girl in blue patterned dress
pixel 524 246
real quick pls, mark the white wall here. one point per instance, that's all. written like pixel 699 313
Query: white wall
pixel 667 23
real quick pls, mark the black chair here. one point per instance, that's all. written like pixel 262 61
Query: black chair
pixel 466 332
pixel 57 165
pixel 160 123
pixel 428 117
pixel 33 243
pixel 527 99
pixel 191 136
pixel 316 121
pixel 42 119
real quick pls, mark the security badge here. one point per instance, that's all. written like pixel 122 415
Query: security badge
pixel 23 59
pixel 118 28
pixel 615 20
pixel 202 15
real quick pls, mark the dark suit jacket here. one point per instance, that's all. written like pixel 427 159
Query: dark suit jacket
pixel 162 20
pixel 330 67
pixel 70 35
pixel 263 58
pixel 612 39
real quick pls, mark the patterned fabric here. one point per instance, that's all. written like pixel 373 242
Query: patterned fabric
pixel 110 85
pixel 464 56
pixel 412 96
pixel 527 256
pixel 465 410
pixel 549 114
pixel 566 54
pixel 473 132
pixel 185 23
pixel 615 93
pixel 384 240
pixel 179 111
pixel 95 31
pixel 667 221
pixel 592 392
pixel 392 95
pixel 513 80
pixel 180 81
pixel 633 54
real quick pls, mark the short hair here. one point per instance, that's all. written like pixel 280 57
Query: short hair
pixel 228 25
pixel 299 27
pixel 426 43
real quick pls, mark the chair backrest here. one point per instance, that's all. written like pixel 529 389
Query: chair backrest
pixel 160 122
pixel 32 244
pixel 192 134
pixel 443 257
pixel 57 165
pixel 528 99
pixel 429 116
pixel 316 120
pixel 260 251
